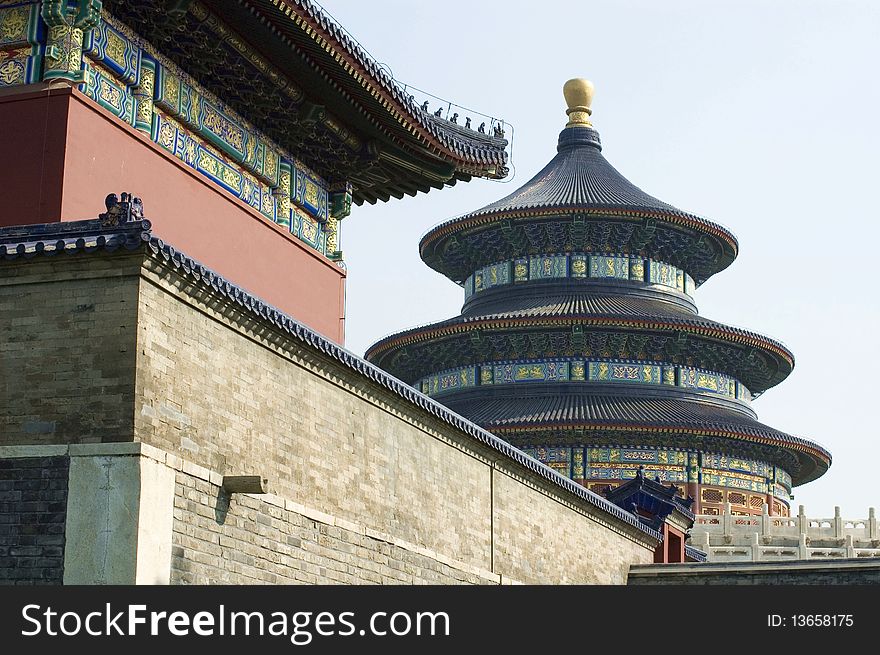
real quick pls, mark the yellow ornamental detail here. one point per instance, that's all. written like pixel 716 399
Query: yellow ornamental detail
pixel 110 94
pixel 148 82
pixel 603 371
pixel 189 152
pixel 207 163
pixel 707 382
pixel 11 72
pixel 115 48
pixel 578 266
pixel 166 136
pixel 311 193
pixel 171 89
pixel 309 228
pixel 14 26
pixel 74 56
pixel 271 163
pixel 144 112
pixel 267 203
pixel 649 373
pixel 233 135
pixel 231 177
pixel 609 267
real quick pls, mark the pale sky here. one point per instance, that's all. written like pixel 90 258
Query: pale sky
pixel 761 116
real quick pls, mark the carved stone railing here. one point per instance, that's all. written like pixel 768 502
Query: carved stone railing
pixel 730 537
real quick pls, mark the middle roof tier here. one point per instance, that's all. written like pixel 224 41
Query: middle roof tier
pixel 560 323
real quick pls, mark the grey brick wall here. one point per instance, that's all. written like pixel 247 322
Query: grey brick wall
pixel 33 506
pixel 245 540
pixel 67 327
pixel 373 488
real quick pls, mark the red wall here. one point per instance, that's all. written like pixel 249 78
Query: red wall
pixel 60 155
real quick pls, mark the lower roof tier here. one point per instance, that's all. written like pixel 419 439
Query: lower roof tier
pixel 561 414
pixel 608 326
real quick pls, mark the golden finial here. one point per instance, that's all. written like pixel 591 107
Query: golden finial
pixel 578 96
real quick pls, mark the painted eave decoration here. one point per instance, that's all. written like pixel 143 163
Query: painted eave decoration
pixel 297 75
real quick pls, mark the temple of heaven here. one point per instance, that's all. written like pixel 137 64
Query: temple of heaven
pixel 580 343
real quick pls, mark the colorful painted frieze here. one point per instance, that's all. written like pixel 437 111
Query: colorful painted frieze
pixel 311 194
pixel 782 477
pixel 575 265
pixel 106 90
pixel 728 463
pixel 112 50
pixel 637 269
pixel 580 266
pixel 551 371
pixel 781 492
pixel 559 459
pixel 545 267
pixel 609 266
pixel 662 273
pixel 598 471
pixel 624 372
pixel 521 270
pixel 21 36
pixel 612 455
pixel 734 480
pixel 578 370
pixel 693 378
pixel 449 380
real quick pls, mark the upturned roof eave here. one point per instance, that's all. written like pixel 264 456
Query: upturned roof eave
pixel 477 155
pixel 461 326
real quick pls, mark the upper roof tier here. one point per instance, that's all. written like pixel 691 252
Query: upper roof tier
pixel 288 68
pixel 578 202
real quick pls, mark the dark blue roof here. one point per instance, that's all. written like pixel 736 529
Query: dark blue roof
pixel 580 176
pixel 502 409
pixel 577 181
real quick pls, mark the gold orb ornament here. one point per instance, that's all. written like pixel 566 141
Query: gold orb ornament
pixel 578 96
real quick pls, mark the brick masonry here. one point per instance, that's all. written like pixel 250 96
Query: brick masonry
pixel 67 329
pixel 33 505
pixel 221 539
pixel 176 367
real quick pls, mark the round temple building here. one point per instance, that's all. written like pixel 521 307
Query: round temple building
pixel 579 340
